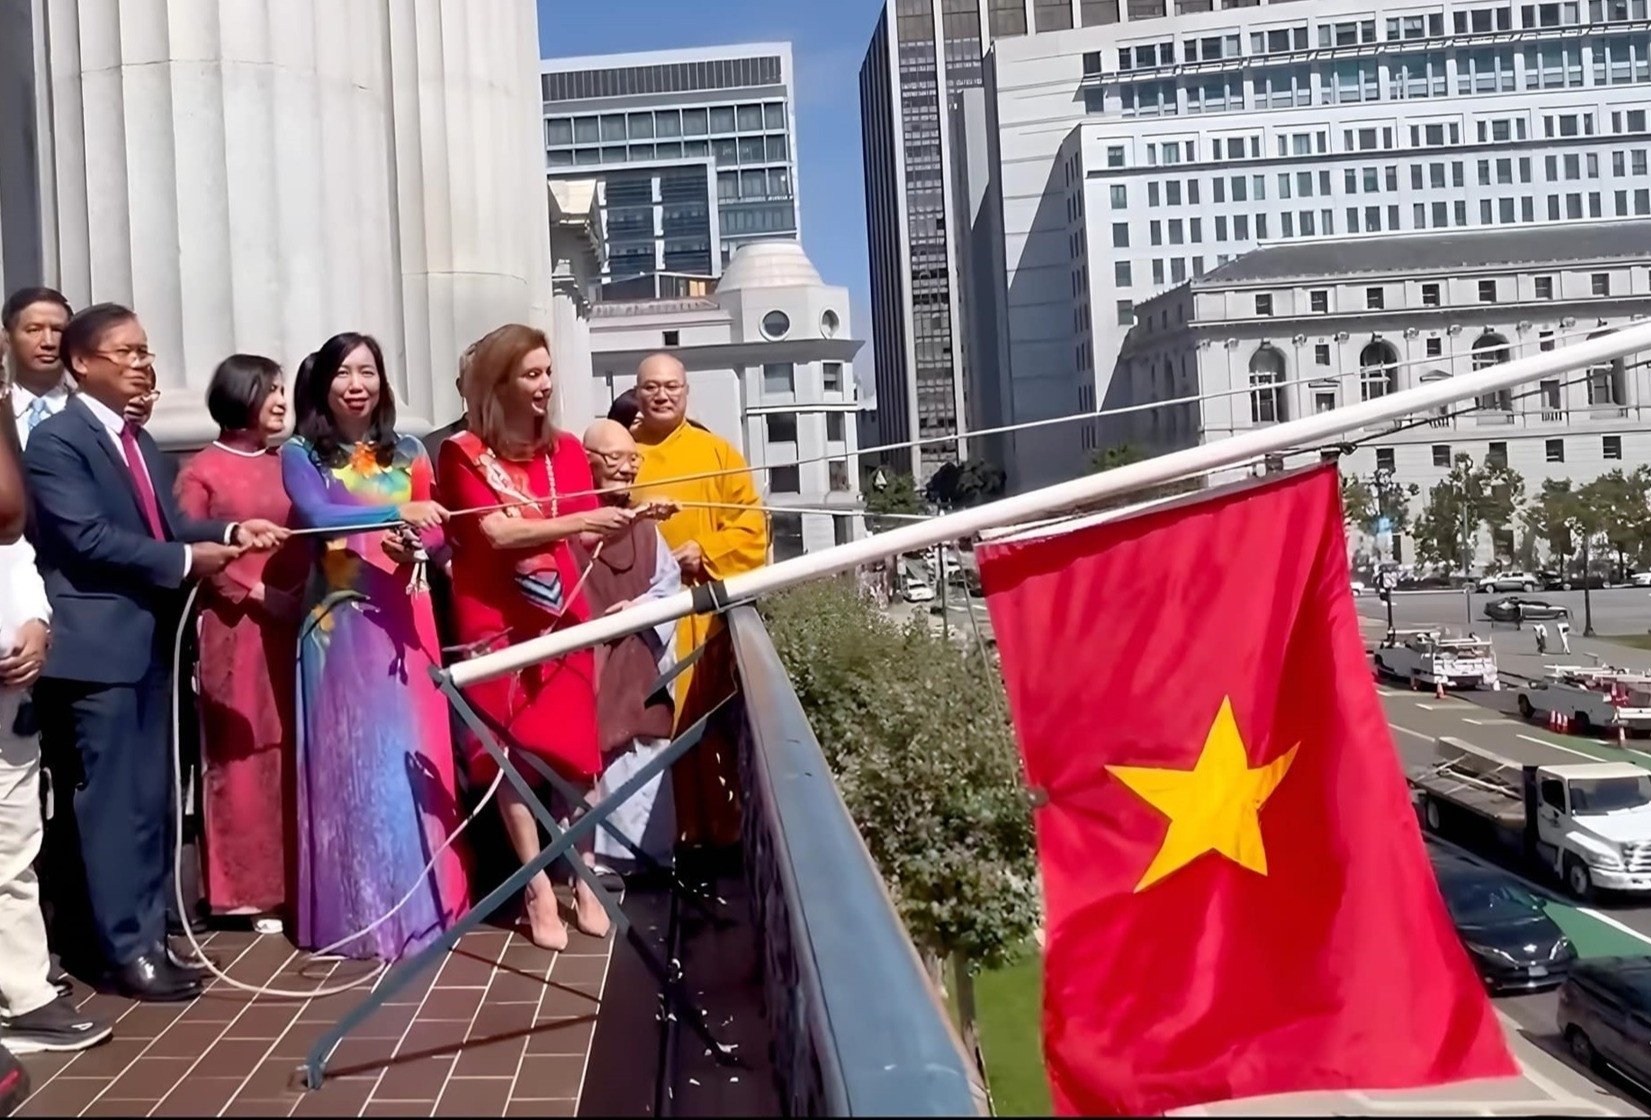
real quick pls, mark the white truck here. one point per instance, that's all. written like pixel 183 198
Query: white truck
pixel 1588 823
pixel 1586 699
pixel 1428 657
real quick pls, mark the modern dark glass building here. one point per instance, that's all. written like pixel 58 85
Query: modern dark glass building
pixel 923 58
pixel 696 150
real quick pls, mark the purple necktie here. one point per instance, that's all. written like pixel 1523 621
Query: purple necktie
pixel 140 481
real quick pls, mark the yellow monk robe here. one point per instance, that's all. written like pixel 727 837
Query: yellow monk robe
pixel 733 540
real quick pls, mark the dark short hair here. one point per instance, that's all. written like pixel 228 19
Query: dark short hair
pixel 85 331
pixel 315 423
pixel 240 385
pixel 625 407
pixel 24 298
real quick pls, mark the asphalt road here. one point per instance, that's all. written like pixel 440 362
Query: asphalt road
pixel 1619 925
pixel 1617 610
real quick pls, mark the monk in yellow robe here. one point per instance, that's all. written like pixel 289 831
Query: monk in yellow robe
pixel 724 535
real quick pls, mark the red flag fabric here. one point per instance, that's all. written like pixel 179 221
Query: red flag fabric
pixel 1238 901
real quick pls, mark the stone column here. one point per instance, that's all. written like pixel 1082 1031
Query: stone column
pixel 470 178
pixel 256 175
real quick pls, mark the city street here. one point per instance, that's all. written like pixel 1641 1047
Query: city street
pixel 1617 925
pixel 1617 610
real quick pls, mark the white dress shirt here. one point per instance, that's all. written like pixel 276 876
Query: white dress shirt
pixel 25 406
pixel 22 591
pixel 114 423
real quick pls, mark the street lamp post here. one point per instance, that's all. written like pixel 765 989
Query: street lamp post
pixel 1587 593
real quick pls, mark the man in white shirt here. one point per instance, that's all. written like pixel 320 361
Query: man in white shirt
pixel 37 1015
pixel 33 319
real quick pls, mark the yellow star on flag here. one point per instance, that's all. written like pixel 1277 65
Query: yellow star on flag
pixel 1214 806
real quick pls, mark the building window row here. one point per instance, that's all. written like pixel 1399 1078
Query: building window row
pixel 1615 60
pixel 665 124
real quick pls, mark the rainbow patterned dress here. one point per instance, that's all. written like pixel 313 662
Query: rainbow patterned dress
pixel 376 795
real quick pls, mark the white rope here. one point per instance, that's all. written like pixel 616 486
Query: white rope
pixel 419 884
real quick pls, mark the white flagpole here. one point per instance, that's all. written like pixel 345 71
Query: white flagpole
pixel 1308 431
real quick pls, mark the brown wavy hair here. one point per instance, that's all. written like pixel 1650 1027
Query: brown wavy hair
pixel 495 361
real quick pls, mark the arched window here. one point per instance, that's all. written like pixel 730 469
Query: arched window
pixel 1267 386
pixel 1378 370
pixel 1607 382
pixel 1491 349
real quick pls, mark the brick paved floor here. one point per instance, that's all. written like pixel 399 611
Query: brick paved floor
pixel 501 1028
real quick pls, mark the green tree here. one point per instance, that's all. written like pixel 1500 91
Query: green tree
pixel 1358 503
pixel 1551 517
pixel 915 730
pixel 1442 526
pixel 1123 454
pixel 1118 455
pixel 969 483
pixel 897 496
pixel 1614 510
pixel 1496 491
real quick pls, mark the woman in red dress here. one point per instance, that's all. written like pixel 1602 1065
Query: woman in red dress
pixel 248 632
pixel 515 577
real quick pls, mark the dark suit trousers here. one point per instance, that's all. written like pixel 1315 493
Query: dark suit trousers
pixel 122 802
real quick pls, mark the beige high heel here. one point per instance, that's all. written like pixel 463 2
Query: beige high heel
pixel 544 923
pixel 589 915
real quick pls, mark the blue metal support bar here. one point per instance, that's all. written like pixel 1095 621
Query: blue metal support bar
pixel 560 847
pixel 561 785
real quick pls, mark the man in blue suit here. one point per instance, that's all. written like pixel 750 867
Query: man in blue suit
pixel 115 551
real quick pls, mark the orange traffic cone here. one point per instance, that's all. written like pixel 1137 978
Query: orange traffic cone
pixel 1438 689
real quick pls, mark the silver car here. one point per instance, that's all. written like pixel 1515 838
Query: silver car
pixel 1510 581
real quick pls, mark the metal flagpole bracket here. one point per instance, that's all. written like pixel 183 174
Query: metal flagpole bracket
pixel 561 847
pixel 698 900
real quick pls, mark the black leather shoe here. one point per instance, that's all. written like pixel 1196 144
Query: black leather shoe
pixel 182 956
pixel 152 978
pixel 174 928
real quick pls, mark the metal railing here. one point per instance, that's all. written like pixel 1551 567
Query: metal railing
pixel 856 1027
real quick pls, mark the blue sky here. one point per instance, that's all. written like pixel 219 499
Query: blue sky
pixel 828 39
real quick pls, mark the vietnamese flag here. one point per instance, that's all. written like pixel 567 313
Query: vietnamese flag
pixel 1238 899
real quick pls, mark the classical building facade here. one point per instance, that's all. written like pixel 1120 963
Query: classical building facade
pixel 257 176
pixel 1123 160
pixel 697 150
pixel 1294 330
pixel 770 359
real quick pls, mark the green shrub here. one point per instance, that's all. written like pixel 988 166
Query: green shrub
pixel 915 730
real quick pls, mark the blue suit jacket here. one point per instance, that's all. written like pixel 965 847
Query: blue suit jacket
pixel 112 585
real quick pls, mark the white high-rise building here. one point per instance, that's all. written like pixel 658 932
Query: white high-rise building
pixel 1297 329
pixel 1121 160
pixel 696 150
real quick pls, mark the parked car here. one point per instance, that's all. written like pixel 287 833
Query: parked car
pixel 1512 608
pixel 1640 579
pixel 1428 583
pixel 1605 1014
pixel 1514 944
pixel 1509 581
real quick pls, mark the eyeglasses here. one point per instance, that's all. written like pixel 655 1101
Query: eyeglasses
pixel 619 458
pixel 665 389
pixel 128 355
